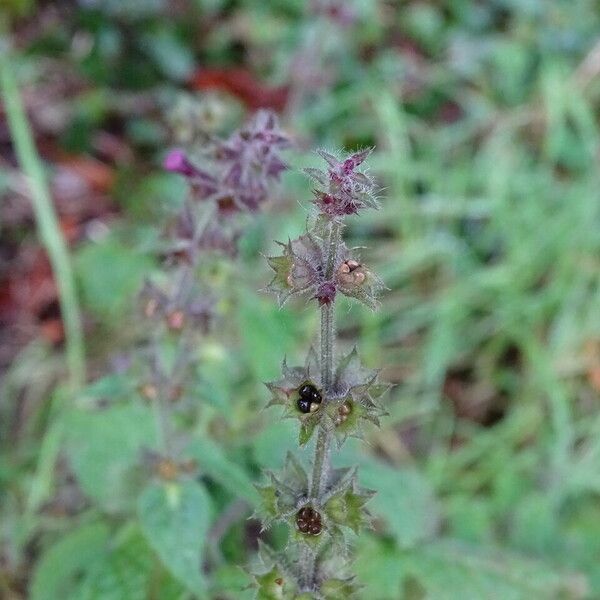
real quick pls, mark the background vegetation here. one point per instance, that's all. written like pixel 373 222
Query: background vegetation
pixel 485 120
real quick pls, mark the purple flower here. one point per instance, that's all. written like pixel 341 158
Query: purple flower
pixel 242 168
pixel 325 293
pixel 183 243
pixel 250 161
pixel 177 161
pixel 203 185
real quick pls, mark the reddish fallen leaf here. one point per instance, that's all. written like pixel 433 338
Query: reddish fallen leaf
pixel 98 176
pixel 29 299
pixel 243 85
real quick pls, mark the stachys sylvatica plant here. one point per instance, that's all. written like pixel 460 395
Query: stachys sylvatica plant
pixel 331 396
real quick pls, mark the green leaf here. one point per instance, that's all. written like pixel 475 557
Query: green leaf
pixel 105 447
pixel 60 569
pixel 110 275
pixel 122 574
pixel 404 498
pixel 212 460
pixel 175 518
pixel 110 387
pixel 450 570
pixel 268 333
pixel 281 435
pixel 170 54
pixel 232 582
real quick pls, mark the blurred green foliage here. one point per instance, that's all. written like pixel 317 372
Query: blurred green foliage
pixel 485 120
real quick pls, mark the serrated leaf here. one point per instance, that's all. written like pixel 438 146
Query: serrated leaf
pixel 61 567
pixel 175 518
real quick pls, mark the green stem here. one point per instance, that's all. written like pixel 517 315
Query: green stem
pixel 46 220
pixel 321 460
pixel 327 342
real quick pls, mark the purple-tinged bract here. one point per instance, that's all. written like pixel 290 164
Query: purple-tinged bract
pixel 343 189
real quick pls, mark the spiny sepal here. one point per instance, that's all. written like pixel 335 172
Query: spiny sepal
pixel 346 506
pixel 299 392
pixel 272 585
pixel 299 269
pixel 354 280
pixel 284 493
pixel 303 269
pixel 339 589
pixel 334 580
pixel 274 577
pixel 354 399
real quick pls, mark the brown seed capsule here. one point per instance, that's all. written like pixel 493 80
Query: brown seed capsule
pixel 343 412
pixel 149 391
pixel 359 278
pixel 351 273
pixel 176 320
pixel 308 521
pixel 279 581
pixel 345 408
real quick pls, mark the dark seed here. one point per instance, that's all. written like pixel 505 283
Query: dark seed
pixel 308 521
pixel 310 392
pixel 304 405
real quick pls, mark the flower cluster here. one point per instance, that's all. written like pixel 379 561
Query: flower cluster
pixel 331 400
pixel 303 269
pixel 352 397
pixel 314 521
pixel 239 171
pixel 343 189
pixel 236 175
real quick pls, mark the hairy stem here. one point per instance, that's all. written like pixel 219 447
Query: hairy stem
pixel 321 461
pixel 327 341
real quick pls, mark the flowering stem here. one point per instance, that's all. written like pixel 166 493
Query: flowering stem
pixel 323 444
